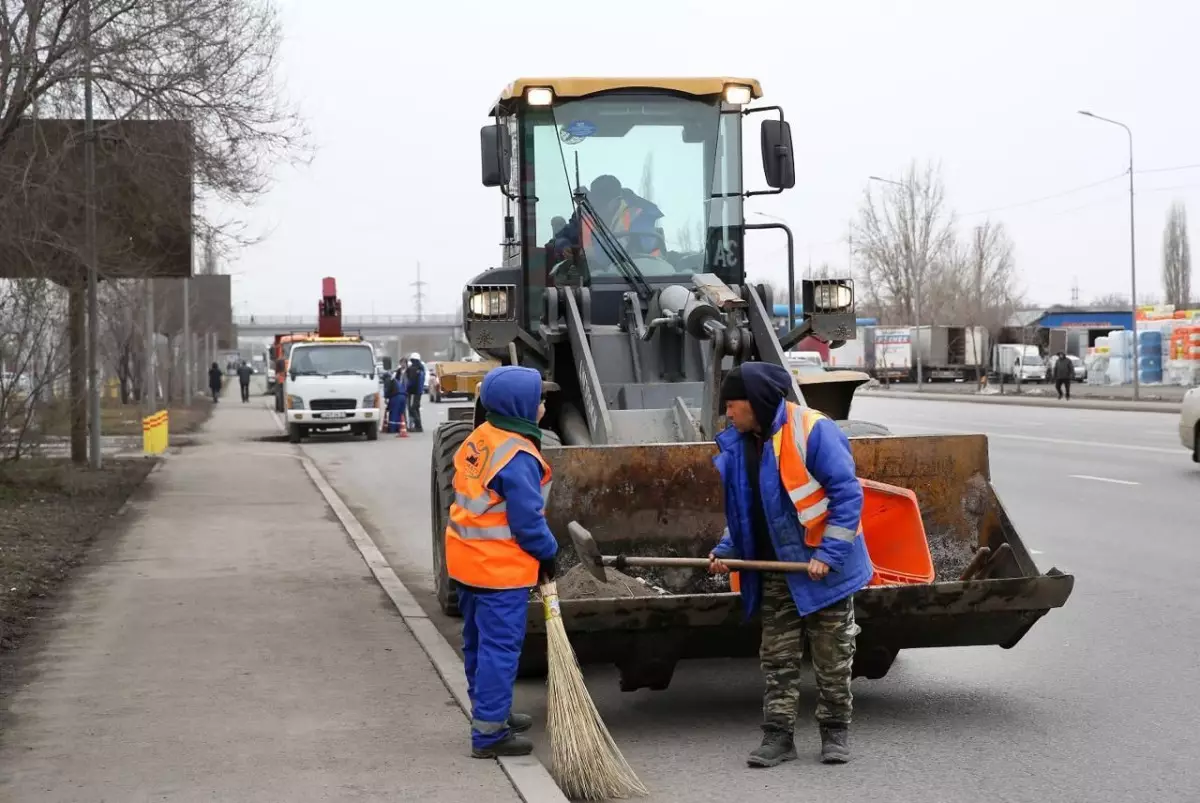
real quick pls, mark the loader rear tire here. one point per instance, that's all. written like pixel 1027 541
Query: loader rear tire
pixel 854 428
pixel 446 440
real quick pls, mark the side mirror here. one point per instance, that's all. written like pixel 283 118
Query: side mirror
pixel 495 155
pixel 779 166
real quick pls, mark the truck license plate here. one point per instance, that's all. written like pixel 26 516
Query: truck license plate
pixel 336 414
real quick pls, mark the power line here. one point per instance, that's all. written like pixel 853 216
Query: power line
pixel 1168 169
pixel 1032 201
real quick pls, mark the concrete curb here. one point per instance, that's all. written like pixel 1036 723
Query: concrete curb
pixel 1032 401
pixel 528 776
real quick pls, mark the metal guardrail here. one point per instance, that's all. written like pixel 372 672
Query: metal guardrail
pixel 350 321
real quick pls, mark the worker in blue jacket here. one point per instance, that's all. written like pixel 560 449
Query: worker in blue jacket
pixel 498 546
pixel 792 494
pixel 394 392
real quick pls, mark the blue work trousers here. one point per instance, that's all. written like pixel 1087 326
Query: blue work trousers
pixel 395 409
pixel 493 632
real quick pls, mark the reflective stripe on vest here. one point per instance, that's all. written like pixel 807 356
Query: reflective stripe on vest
pixel 812 505
pixel 480 548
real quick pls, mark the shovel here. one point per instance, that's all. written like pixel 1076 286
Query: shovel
pixel 594 562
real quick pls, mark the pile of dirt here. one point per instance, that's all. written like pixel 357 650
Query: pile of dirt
pixel 578 583
pixel 950 554
pixel 50 512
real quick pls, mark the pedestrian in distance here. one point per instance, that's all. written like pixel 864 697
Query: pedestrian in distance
pixel 215 379
pixel 1064 372
pixel 244 373
pixel 498 546
pixel 792 494
pixel 414 380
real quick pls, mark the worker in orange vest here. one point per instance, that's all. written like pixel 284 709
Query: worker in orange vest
pixel 792 494
pixel 630 218
pixel 498 545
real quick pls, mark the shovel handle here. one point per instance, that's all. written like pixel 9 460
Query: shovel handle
pixel 703 563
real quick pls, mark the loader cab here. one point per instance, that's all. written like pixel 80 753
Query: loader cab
pixel 658 160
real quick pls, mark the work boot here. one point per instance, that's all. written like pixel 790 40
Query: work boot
pixel 519 723
pixel 511 745
pixel 835 743
pixel 776 748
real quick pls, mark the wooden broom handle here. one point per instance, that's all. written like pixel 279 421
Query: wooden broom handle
pixel 703 563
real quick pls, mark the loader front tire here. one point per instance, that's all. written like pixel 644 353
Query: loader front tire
pixel 446 440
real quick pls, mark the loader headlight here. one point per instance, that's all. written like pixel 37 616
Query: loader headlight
pixel 539 96
pixel 737 94
pixel 489 304
pixel 832 297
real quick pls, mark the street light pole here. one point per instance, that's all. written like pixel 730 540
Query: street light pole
pixel 90 252
pixel 915 346
pixel 1132 251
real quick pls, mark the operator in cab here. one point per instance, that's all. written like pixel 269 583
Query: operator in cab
pixel 624 211
pixel 497 546
pixel 792 494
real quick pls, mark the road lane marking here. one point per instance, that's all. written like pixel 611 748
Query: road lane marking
pixel 1102 479
pixel 1038 439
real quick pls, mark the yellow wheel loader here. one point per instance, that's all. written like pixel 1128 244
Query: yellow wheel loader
pixel 623 281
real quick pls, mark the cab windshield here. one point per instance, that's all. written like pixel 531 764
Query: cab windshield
pixel 332 360
pixel 663 174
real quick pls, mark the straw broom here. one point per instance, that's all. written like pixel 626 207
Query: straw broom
pixel 585 761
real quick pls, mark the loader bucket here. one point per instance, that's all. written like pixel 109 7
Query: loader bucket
pixel 665 500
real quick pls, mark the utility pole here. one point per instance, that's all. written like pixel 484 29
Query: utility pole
pixel 420 294
pixel 916 280
pixel 90 250
pixel 149 392
pixel 1132 252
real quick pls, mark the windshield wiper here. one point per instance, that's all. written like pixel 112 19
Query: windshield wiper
pixel 612 249
pixel 308 373
pixel 348 371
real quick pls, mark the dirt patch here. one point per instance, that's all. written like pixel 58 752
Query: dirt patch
pixel 50 512
pixel 578 583
pixel 950 554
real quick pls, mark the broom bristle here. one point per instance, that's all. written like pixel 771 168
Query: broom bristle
pixel 585 761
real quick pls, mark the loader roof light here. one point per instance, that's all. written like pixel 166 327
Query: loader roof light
pixel 832 297
pixel 488 304
pixel 539 96
pixel 737 94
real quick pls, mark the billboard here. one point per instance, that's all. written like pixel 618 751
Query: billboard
pixel 144 194
pixel 210 302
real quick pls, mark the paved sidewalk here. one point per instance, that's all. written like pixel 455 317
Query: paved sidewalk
pixel 235 647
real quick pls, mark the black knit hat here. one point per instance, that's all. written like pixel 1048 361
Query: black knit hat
pixel 733 386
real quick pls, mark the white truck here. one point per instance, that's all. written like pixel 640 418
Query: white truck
pixel 1016 362
pixel 332 385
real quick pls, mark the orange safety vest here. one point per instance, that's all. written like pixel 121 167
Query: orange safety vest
pixel 480 548
pixel 621 223
pixel 812 505
pixel 806 493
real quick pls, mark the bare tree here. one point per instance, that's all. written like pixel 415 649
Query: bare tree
pixel 1177 258
pixel 1110 301
pixel 33 358
pixel 209 63
pixel 904 242
pixel 985 274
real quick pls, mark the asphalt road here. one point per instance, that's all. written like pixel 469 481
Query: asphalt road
pixel 1098 703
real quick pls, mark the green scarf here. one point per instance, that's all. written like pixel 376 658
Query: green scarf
pixel 520 426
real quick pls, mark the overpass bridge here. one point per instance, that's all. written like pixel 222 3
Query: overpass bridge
pixel 372 327
pixel 395 335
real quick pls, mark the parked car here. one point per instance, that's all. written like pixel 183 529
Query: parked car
pixel 1077 365
pixel 1189 423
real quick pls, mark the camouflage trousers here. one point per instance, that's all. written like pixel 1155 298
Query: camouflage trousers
pixel 830 634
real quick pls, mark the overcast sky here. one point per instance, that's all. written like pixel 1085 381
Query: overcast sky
pixel 395 94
